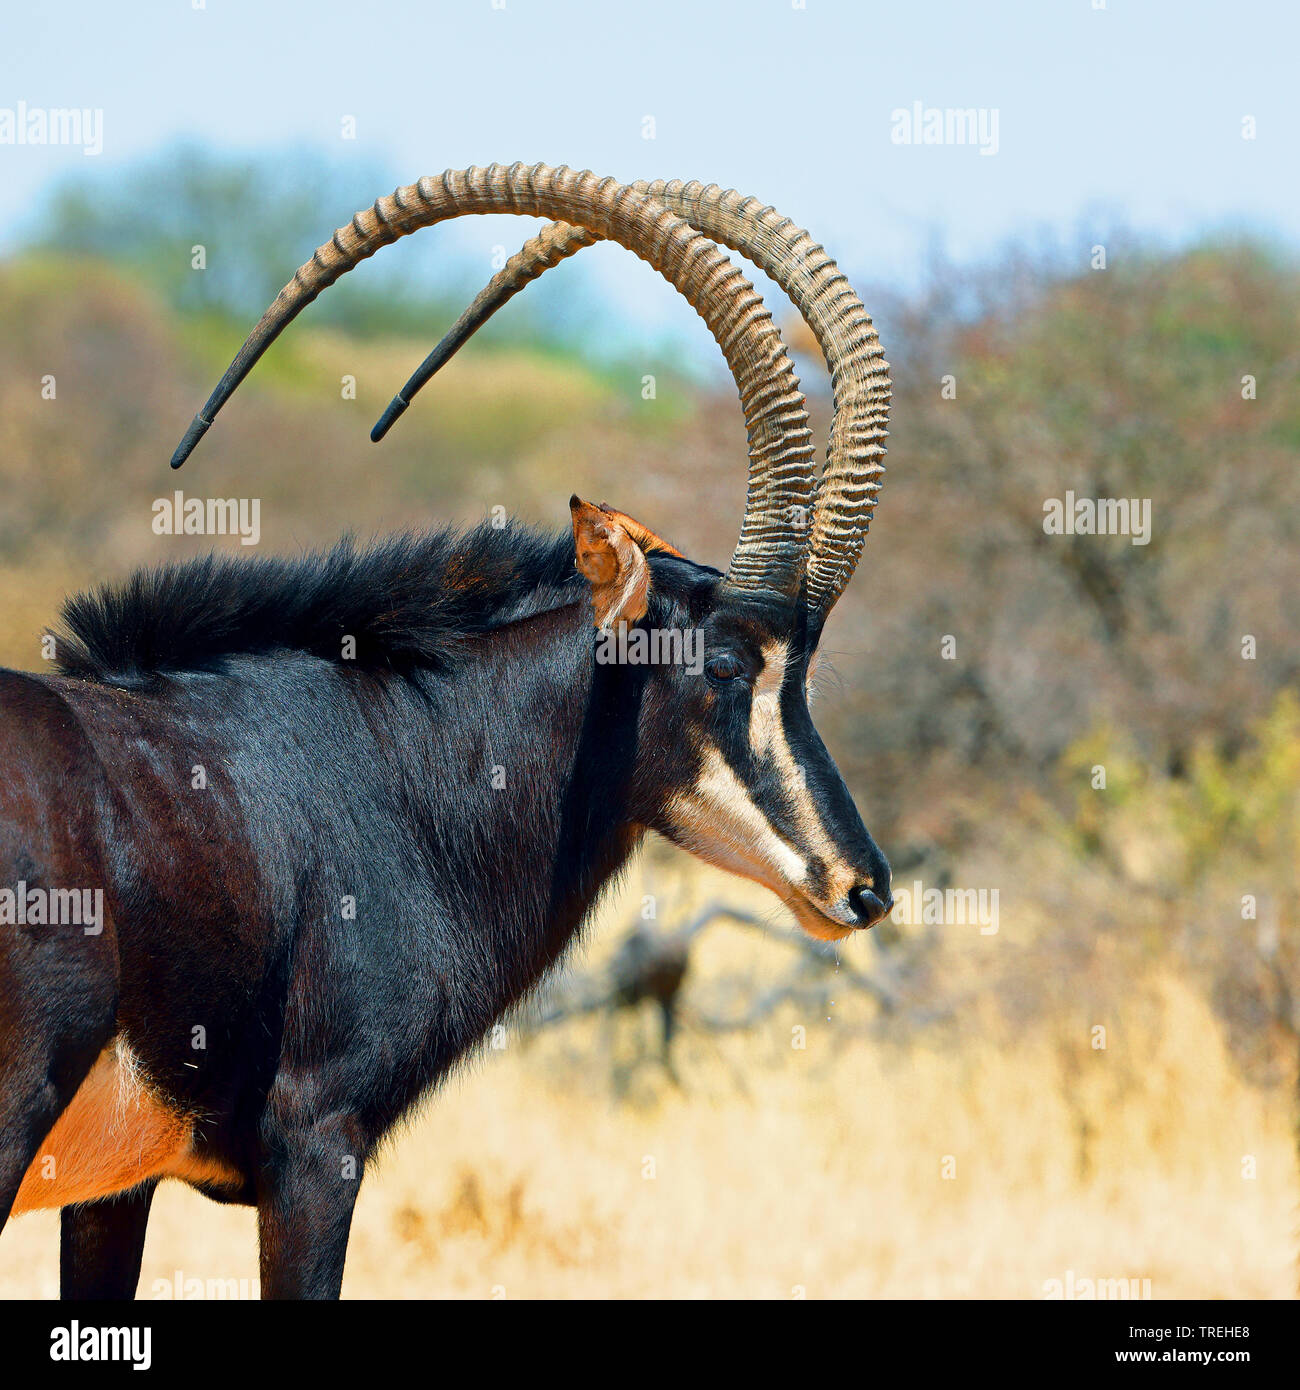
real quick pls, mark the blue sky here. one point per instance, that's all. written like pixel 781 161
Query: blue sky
pixel 1131 113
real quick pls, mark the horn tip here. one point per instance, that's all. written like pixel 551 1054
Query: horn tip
pixel 394 412
pixel 198 428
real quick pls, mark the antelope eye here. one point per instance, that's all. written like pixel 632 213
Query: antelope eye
pixel 724 668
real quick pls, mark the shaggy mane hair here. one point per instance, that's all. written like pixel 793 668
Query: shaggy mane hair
pixel 407 600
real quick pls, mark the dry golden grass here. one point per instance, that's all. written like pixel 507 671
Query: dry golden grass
pixel 822 1170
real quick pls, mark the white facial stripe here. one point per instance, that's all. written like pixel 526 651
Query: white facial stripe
pixel 767 738
pixel 765 732
pixel 725 826
pixel 720 821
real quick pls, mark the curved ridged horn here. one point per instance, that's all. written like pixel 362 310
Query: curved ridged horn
pixel 555 242
pixel 860 382
pixel 769 555
pixel 851 479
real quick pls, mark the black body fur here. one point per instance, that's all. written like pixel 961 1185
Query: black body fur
pixel 329 781
pixel 340 863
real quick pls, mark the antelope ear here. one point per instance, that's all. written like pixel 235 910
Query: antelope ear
pixel 614 564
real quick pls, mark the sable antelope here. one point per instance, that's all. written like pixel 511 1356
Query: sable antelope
pixel 345 810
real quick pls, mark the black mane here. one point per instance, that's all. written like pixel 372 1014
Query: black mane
pixel 407 600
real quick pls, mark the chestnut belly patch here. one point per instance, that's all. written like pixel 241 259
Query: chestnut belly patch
pixel 113 1135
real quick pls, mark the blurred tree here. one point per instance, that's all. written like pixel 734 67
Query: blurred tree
pixel 1168 380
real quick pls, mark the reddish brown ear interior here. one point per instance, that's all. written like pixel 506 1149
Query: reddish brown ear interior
pixel 647 539
pixel 613 561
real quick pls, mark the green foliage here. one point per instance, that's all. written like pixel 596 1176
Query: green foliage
pixel 1243 805
pixel 1235 804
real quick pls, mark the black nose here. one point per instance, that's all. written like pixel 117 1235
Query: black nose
pixel 869 908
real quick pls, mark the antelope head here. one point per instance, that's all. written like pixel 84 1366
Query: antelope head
pixel 731 766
